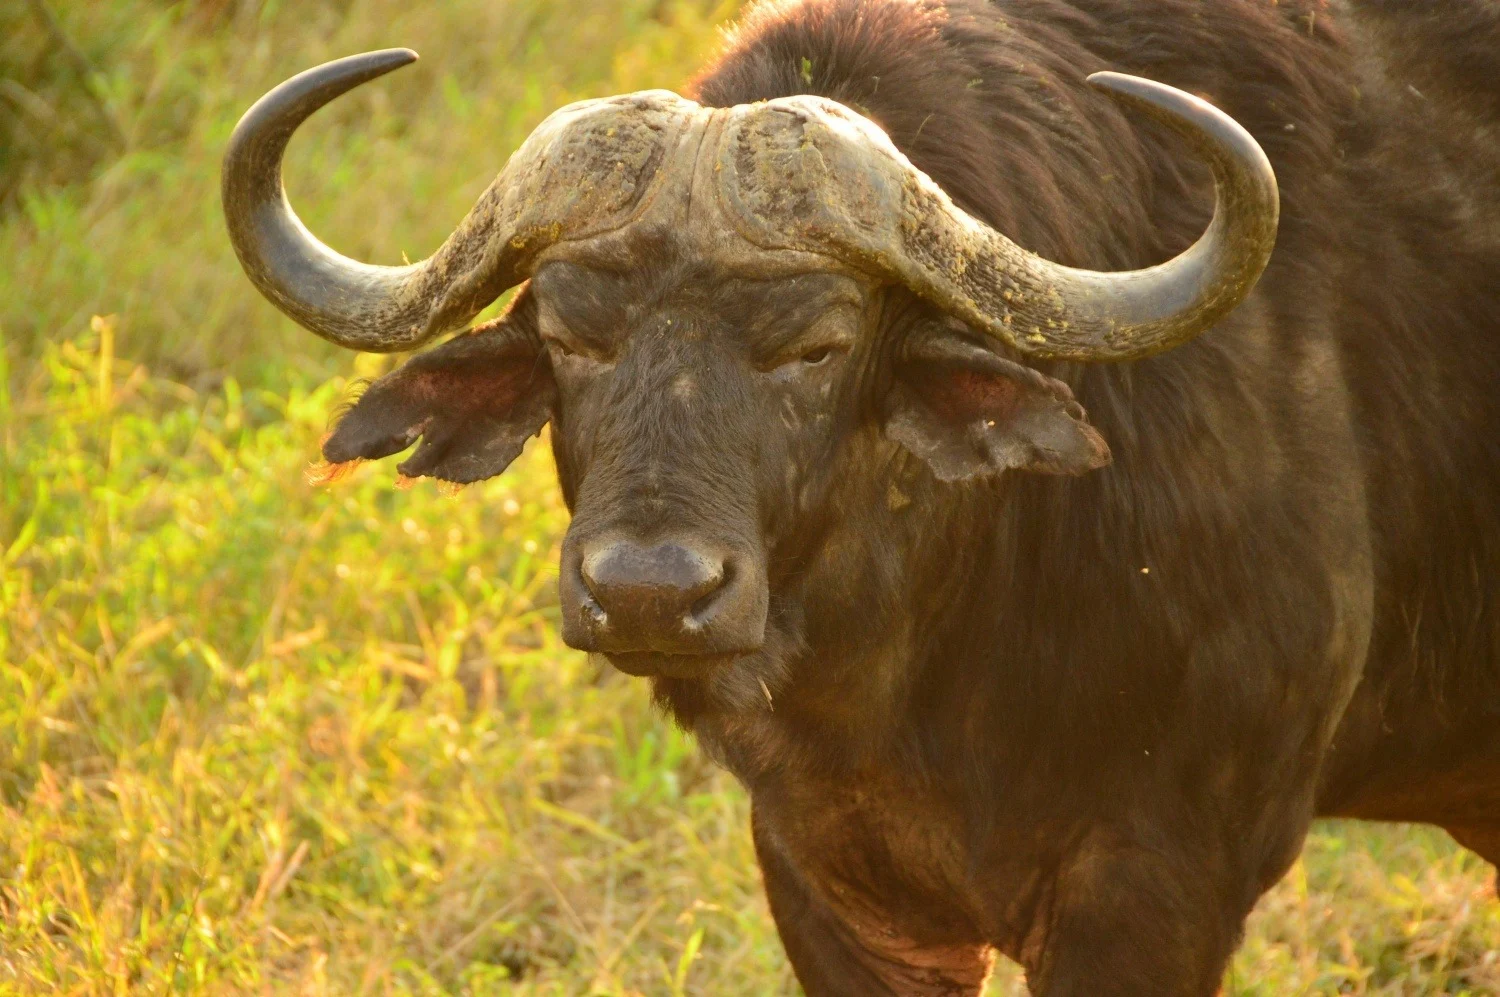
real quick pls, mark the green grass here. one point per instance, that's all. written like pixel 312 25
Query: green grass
pixel 257 737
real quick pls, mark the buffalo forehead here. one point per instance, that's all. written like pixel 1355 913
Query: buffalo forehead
pixel 808 173
pixel 765 189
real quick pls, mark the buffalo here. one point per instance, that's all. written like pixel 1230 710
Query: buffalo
pixel 1040 592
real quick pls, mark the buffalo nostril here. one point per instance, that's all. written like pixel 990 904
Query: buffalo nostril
pixel 699 612
pixel 651 589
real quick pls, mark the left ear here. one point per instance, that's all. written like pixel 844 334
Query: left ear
pixel 969 413
pixel 474 401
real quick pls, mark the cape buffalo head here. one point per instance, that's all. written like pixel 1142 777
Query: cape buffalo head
pixel 737 321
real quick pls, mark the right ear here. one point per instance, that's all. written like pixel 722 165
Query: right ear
pixel 473 401
pixel 970 413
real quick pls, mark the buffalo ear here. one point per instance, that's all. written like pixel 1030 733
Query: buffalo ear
pixel 969 413
pixel 473 401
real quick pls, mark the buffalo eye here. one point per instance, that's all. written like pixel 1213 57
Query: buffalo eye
pixel 817 356
pixel 790 370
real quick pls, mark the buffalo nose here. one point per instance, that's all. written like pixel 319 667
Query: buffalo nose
pixel 661 590
pixel 664 607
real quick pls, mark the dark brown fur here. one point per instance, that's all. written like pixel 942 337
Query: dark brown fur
pixel 1383 299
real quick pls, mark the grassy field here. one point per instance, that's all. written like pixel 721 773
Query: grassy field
pixel 261 738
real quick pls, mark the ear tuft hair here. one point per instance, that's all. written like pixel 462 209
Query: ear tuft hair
pixel 322 473
pixel 353 392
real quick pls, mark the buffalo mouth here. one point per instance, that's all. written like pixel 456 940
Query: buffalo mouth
pixel 659 664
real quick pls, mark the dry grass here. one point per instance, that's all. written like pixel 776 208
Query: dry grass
pixel 260 738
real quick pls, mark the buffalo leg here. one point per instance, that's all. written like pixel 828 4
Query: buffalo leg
pixel 832 960
pixel 1132 921
pixel 1484 842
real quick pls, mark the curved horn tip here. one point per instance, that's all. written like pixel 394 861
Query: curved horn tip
pixel 1196 118
pixel 394 58
pixel 384 59
pixel 1124 83
pixel 1139 90
pixel 294 100
pixel 361 68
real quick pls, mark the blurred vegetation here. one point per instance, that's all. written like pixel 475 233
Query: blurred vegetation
pixel 388 170
pixel 265 739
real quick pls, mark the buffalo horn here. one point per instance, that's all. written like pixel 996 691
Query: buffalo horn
pixel 580 173
pixel 1068 313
